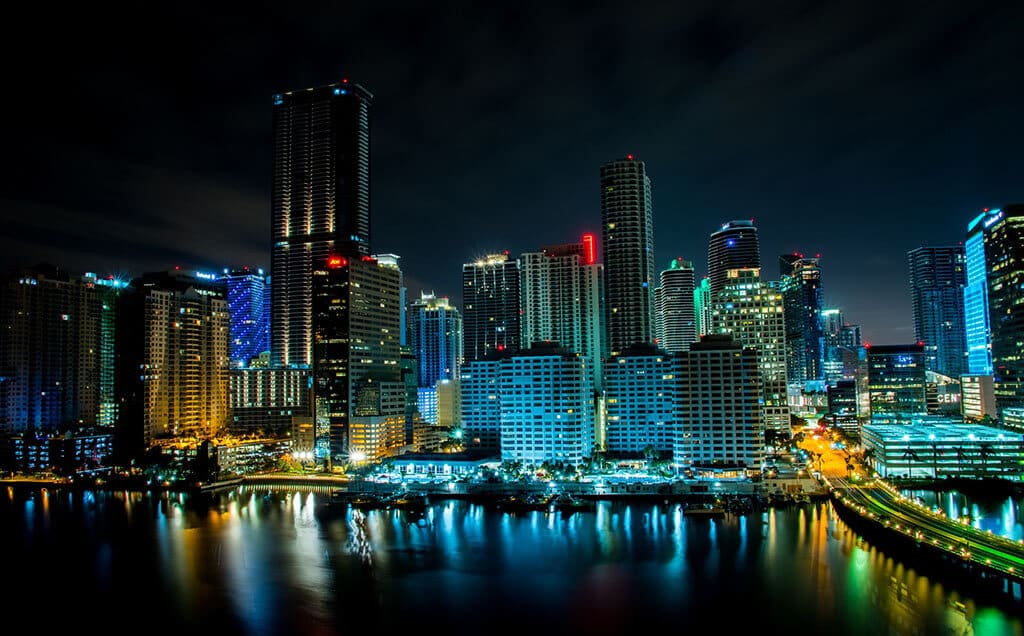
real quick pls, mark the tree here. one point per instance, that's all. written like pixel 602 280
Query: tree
pixel 984 451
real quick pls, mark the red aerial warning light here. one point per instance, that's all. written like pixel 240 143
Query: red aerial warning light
pixel 501 347
pixel 630 157
pixel 336 262
pixel 344 80
pixel 867 345
pixel 588 248
pixel 920 343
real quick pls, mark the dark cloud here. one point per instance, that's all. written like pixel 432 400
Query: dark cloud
pixel 856 130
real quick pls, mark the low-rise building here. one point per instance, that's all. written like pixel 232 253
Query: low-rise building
pixel 455 464
pixel 928 449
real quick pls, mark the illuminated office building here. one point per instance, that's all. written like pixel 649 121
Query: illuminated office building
pixel 703 307
pixel 248 304
pixel 640 389
pixel 805 335
pixel 1004 269
pixel 436 332
pixel 269 401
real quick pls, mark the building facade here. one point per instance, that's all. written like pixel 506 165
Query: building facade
pixel 640 391
pixel 268 401
pixel 547 407
pixel 940 450
pixel 977 397
pixel 490 306
pixel 937 281
pixel 481 408
pixel 319 199
pixel 675 325
pixel 627 246
pixel 703 307
pixel 977 332
pixel 719 415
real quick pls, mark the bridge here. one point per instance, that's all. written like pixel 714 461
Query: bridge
pixel 988 555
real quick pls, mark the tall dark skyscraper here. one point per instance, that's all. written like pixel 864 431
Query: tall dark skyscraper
pixel 490 302
pixel 675 323
pixel 320 202
pixel 735 246
pixel 1004 265
pixel 627 242
pixel 937 279
pixel 360 395
pixel 805 334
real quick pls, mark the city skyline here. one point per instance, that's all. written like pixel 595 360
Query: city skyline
pixel 833 163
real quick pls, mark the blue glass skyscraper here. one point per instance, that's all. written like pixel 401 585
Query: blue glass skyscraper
pixel 937 294
pixel 976 325
pixel 248 301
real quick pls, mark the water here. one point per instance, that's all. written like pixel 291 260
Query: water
pixel 1001 515
pixel 259 563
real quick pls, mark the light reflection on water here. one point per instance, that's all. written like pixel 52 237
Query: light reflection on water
pixel 261 563
pixel 1001 515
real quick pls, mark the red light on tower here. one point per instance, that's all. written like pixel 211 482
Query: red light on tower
pixel 501 347
pixel 867 345
pixel 344 80
pixel 336 262
pixel 588 248
pixel 920 343
pixel 630 157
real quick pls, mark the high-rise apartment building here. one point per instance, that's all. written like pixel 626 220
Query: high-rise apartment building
pixel 627 245
pixel 937 281
pixel 896 380
pixel 481 409
pixel 703 307
pixel 436 334
pixel 320 202
pixel 547 407
pixel 358 385
pixel 56 350
pixel 490 306
pixel 719 416
pixel 173 358
pixel 734 246
pixel 269 401
pixel 805 334
pixel 752 311
pixel 675 327
pixel 248 301
pixel 561 292
pixel 640 391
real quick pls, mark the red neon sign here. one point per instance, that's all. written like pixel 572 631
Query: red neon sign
pixel 335 262
pixel 588 248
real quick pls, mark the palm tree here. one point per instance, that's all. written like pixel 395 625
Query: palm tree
pixel 984 451
pixel 959 460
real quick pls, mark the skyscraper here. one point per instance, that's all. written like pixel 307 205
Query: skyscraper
pixel 56 350
pixel 805 337
pixel 937 280
pixel 436 331
pixel 702 306
pixel 1004 265
pixel 752 312
pixel 320 202
pixel 675 322
pixel 561 292
pixel 627 243
pixel 640 386
pixel 896 380
pixel 358 386
pixel 978 334
pixel 490 300
pixel 735 246
pixel 247 298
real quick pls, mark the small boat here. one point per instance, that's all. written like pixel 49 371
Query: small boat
pixel 567 503
pixel 706 510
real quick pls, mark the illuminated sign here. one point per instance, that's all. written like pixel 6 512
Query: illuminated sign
pixel 995 215
pixel 206 276
pixel 588 248
pixel 335 262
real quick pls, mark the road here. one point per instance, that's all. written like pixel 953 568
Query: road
pixel 879 501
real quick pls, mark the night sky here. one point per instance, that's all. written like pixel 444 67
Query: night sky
pixel 854 133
